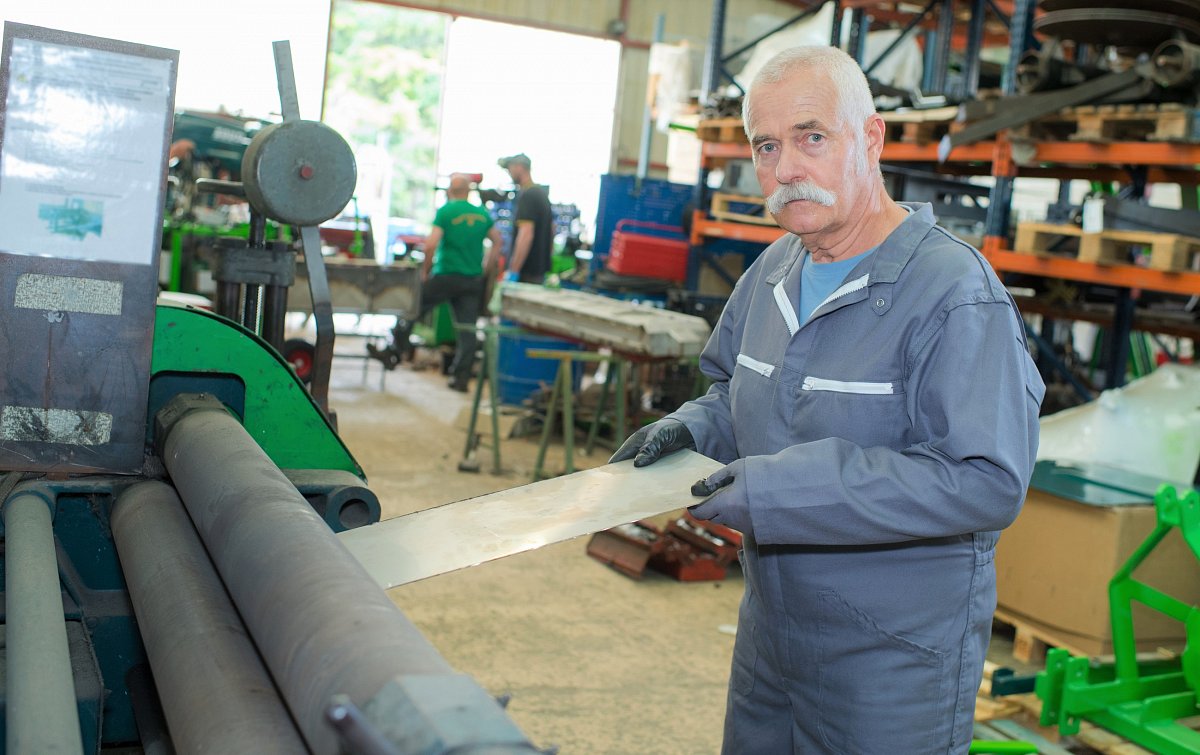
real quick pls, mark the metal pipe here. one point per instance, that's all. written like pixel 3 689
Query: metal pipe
pixel 42 715
pixel 322 625
pixel 216 693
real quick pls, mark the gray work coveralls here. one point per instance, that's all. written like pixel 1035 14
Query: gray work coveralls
pixel 886 442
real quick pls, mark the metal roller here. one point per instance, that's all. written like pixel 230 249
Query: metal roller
pixel 322 625
pixel 41 714
pixel 216 693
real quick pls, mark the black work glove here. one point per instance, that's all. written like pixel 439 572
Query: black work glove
pixel 727 502
pixel 652 442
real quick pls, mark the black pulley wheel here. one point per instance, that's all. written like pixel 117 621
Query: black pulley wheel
pixel 1116 26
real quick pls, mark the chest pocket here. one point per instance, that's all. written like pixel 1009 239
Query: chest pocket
pixel 752 396
pixel 864 412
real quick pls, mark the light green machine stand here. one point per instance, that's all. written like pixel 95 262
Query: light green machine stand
pixel 1142 702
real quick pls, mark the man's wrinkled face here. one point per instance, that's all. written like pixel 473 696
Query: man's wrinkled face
pixel 810 165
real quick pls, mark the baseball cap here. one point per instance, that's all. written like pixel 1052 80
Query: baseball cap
pixel 520 157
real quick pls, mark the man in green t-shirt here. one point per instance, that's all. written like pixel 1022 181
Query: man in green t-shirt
pixel 453 271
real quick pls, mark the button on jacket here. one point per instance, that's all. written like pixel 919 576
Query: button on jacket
pixel 886 442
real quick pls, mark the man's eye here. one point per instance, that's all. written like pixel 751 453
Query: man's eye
pixel 814 138
pixel 763 148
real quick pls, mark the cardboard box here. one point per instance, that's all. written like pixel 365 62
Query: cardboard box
pixel 1053 566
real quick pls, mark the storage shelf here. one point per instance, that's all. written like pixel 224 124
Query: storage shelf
pixel 1120 276
pixel 1165 154
pixel 704 227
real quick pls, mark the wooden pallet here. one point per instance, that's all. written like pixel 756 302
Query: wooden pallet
pixel 1167 251
pixel 1167 122
pixel 920 126
pixel 1030 642
pixel 721 130
pixel 723 208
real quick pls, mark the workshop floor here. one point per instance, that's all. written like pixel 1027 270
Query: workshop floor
pixel 595 662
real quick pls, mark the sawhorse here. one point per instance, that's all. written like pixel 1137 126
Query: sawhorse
pixel 487 372
pixel 564 388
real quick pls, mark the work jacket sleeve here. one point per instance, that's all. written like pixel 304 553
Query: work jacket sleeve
pixel 972 401
pixel 708 418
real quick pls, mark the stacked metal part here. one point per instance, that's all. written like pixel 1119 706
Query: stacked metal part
pixel 263 632
pixel 1168 31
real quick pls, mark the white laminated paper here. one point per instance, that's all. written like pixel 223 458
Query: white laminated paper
pixel 81 168
pixel 467 533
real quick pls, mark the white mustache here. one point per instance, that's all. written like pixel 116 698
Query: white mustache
pixel 800 190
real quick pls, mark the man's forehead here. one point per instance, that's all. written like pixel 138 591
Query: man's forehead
pixel 795 100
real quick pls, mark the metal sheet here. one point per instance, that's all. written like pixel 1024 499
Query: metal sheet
pixel 471 532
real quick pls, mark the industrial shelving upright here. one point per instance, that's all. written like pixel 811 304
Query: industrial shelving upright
pixel 1162 162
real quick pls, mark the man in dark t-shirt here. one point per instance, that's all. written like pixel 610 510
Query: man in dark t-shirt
pixel 533 224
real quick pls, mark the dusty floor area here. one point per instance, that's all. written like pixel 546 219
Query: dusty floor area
pixel 595 662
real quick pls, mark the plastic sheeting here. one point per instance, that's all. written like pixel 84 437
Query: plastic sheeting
pixel 1151 426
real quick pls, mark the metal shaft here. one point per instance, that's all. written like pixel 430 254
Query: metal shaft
pixel 42 714
pixel 322 625
pixel 216 693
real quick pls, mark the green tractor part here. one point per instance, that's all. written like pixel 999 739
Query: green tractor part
pixel 1142 702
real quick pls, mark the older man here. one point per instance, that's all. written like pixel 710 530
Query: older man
pixel 877 410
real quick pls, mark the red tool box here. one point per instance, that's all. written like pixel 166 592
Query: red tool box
pixel 649 250
pixel 687 549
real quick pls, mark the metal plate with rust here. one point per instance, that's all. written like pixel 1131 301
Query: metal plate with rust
pixel 471 532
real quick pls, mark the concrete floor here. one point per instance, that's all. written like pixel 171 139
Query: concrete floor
pixel 595 662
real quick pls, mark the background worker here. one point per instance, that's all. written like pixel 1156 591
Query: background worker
pixel 533 223
pixel 453 271
pixel 877 410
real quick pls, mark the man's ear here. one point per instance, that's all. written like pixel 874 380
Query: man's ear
pixel 874 132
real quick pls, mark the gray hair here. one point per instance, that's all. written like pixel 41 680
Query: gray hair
pixel 855 103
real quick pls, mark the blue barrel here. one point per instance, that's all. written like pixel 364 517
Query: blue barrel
pixel 518 376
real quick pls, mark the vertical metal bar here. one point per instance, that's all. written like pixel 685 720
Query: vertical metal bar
pixel 648 112
pixel 945 36
pixel 971 61
pixel 859 24
pixel 619 365
pixel 176 281
pixel 566 374
pixel 318 287
pixel 835 29
pixel 1119 338
pixel 41 712
pixel 229 298
pixel 489 358
pixel 548 428
pixel 274 313
pixel 251 307
pixel 285 79
pixel 928 58
pixel 1019 36
pixel 999 207
pixel 711 76
pixel 605 390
